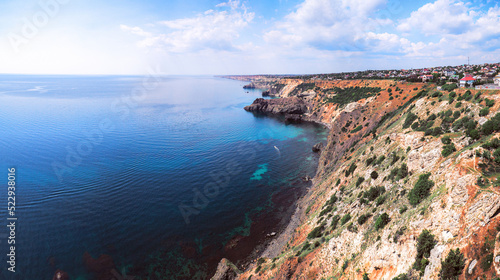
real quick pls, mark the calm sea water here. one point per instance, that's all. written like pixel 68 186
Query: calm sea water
pixel 108 165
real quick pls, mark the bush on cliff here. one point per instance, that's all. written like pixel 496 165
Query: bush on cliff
pixel 449 87
pixel 410 118
pixel 453 265
pixel 382 221
pixel 373 193
pixel 360 181
pixel 421 190
pixel 448 150
pixel 363 218
pixel 351 170
pixel 316 232
pixel 425 243
pixel 345 219
pixel 491 125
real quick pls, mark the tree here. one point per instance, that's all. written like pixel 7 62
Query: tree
pixel 374 175
pixel 453 265
pixel 382 221
pixel 421 190
pixel 425 243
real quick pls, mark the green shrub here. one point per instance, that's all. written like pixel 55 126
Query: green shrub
pixel 489 102
pixel 421 190
pixel 358 128
pixel 453 265
pixel 365 276
pixel 450 87
pixel 360 181
pixel 373 193
pixel 363 218
pixel 410 118
pixel 345 265
pixel 382 221
pixel 484 112
pixel 316 232
pixel 448 150
pixel 403 209
pixel 335 221
pixel 351 169
pixel 374 175
pixel 369 161
pixel 491 125
pixel 328 207
pixel 425 243
pixel 380 200
pixel 446 140
pixel 473 133
pixel 345 219
pixel 380 160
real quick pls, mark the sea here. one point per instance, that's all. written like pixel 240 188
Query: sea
pixel 156 177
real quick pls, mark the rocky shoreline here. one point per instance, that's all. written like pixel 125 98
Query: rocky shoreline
pixel 292 110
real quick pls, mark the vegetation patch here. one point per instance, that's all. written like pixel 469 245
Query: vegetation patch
pixel 351 94
pixel 453 265
pixel 382 221
pixel 421 190
pixel 425 243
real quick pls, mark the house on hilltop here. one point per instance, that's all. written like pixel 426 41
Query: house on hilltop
pixel 468 80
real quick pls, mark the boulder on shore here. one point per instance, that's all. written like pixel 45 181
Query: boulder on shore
pixel 318 147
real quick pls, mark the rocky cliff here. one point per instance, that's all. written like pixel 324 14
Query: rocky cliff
pixel 408 176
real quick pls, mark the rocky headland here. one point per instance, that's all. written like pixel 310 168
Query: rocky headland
pixel 407 186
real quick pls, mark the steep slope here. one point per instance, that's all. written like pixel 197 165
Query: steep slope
pixel 408 174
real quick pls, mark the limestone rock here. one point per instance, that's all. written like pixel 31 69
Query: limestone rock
pixel 483 209
pixel 471 266
pixel 225 271
pixel 291 105
pixel 432 269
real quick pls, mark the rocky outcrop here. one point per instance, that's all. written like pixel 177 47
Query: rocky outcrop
pixel 318 147
pixel 225 271
pixel 291 105
pixel 293 118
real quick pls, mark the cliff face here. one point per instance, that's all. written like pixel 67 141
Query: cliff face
pixel 401 159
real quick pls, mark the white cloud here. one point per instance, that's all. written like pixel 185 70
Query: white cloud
pixel 467 32
pixel 213 29
pixel 329 24
pixel 440 17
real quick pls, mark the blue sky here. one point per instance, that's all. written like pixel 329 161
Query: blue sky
pixel 243 37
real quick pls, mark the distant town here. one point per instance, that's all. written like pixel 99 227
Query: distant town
pixel 480 76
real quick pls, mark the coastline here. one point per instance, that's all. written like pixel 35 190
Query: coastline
pixel 271 246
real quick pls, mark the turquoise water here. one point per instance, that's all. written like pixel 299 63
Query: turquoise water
pixel 160 177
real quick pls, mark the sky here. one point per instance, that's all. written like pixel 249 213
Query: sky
pixel 209 37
